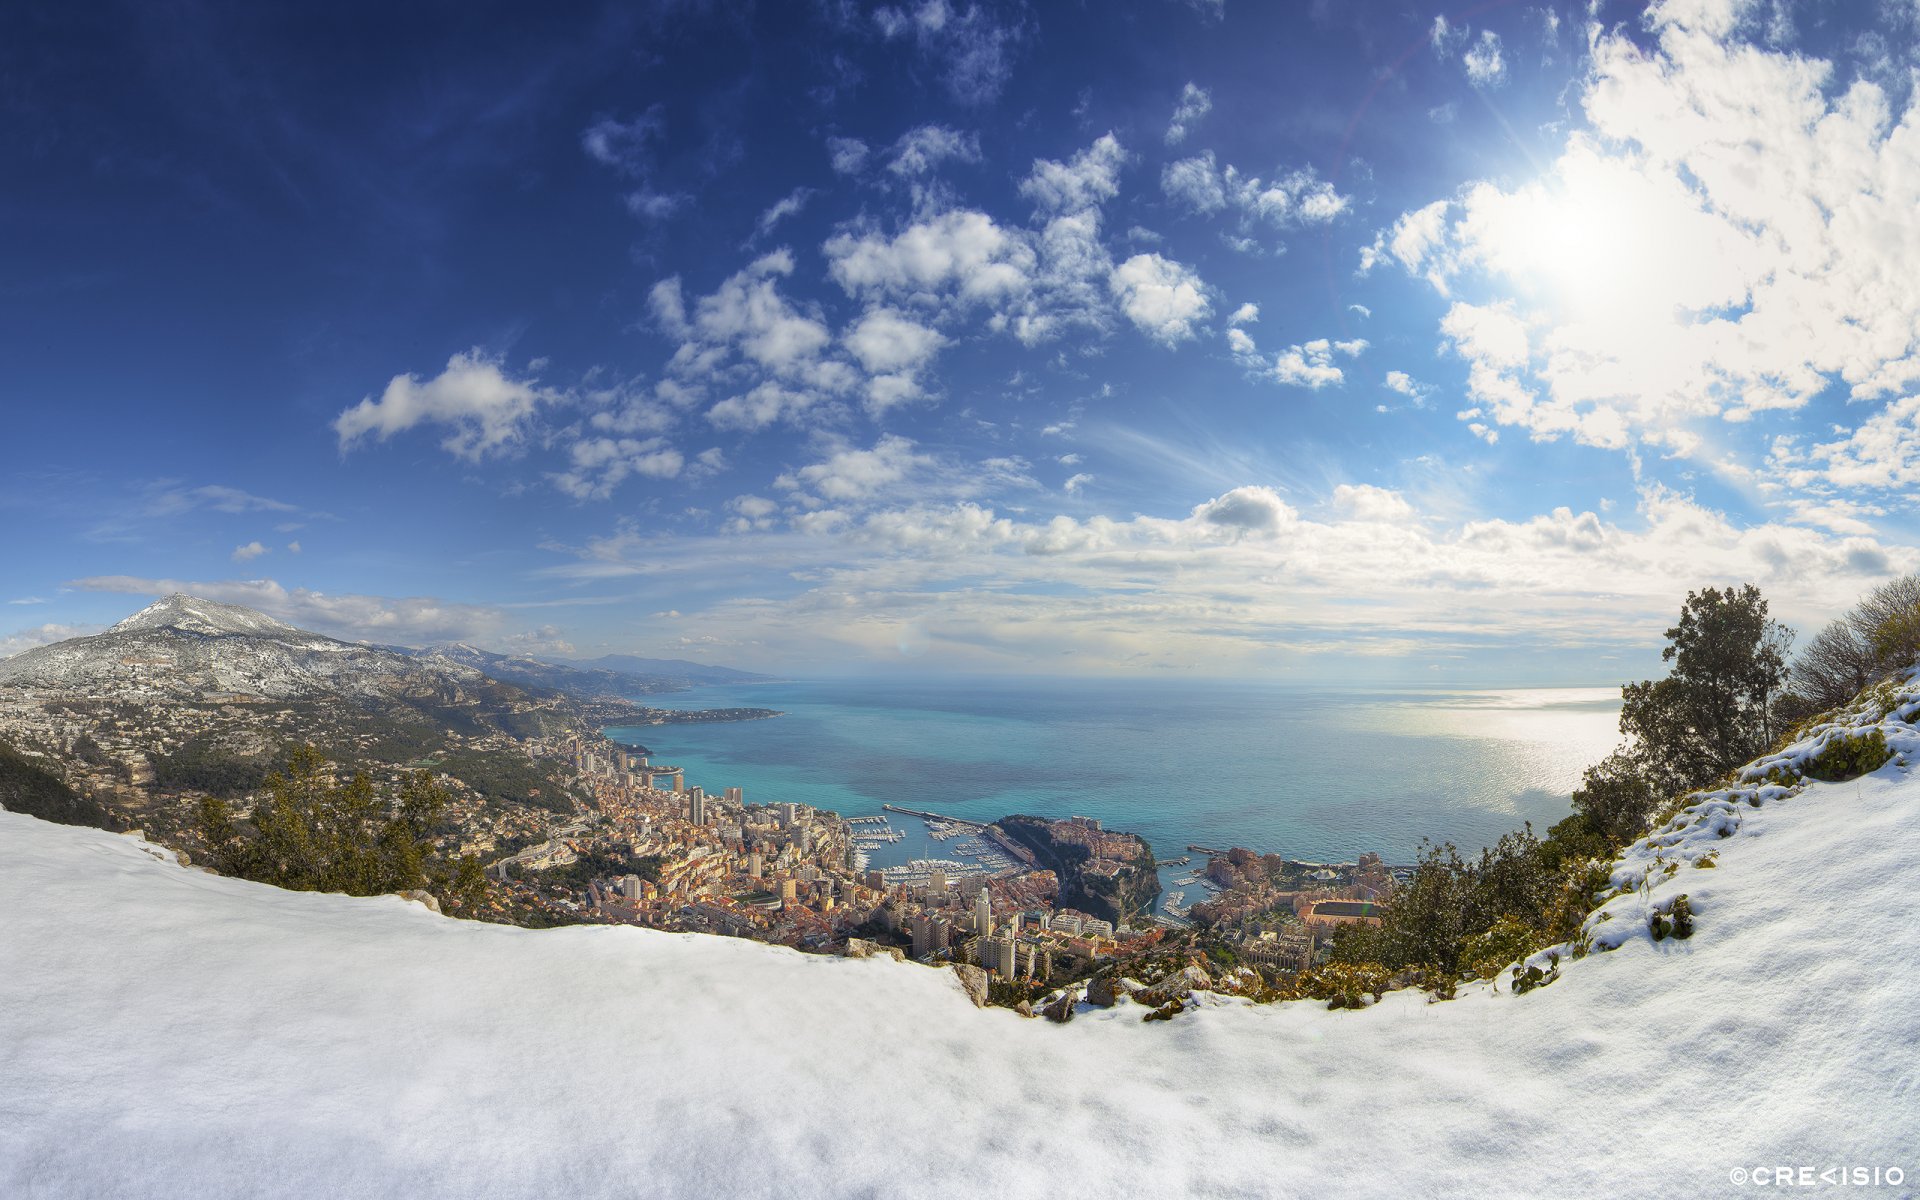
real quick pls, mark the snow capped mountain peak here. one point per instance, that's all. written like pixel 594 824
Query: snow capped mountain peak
pixel 196 615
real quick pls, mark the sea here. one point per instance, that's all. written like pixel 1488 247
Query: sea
pixel 1321 775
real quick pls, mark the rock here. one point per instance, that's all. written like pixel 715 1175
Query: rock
pixel 420 897
pixel 859 948
pixel 1167 1011
pixel 1024 1009
pixel 973 981
pixel 1103 990
pixel 1061 1010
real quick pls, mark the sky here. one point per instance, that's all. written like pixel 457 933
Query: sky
pixel 1314 342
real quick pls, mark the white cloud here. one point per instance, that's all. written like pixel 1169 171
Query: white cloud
pixel 293 547
pixel 749 317
pixel 1245 583
pixel 1160 296
pixel 1486 64
pixel 975 51
pixel 408 620
pixel 922 150
pixel 1365 502
pixel 1195 182
pixel 170 499
pixel 1400 381
pixel 850 473
pixel 599 465
pixel 781 209
pixel 248 552
pixel 1732 237
pixel 1295 199
pixel 626 146
pixel 1250 510
pixel 1195 102
pixel 1246 314
pixel 1088 179
pixel 486 410
pixel 885 340
pixel 760 406
pixel 962 255
pixel 1311 364
pixel 1075 482
pixel 848 155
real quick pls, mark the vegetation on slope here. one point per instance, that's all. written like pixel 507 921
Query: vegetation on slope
pixel 1729 698
pixel 26 787
pixel 314 833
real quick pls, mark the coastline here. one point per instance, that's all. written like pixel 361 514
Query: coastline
pixel 968 751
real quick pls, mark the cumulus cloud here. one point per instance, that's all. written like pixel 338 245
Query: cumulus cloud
pixel 893 348
pixel 41 635
pixel 1161 297
pixel 850 473
pixel 962 255
pixel 1731 237
pixel 598 465
pixel 486 410
pixel 248 552
pixel 1090 178
pixel 1365 502
pixel 1195 102
pixel 1310 364
pixel 1252 510
pixel 1295 199
pixel 1244 581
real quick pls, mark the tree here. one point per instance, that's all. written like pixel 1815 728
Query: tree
pixel 312 832
pixel 1616 798
pixel 1715 710
pixel 1888 620
pixel 1835 667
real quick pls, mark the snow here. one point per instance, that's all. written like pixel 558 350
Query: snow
pixel 186 647
pixel 165 1032
pixel 192 613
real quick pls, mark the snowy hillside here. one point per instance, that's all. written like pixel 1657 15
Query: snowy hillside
pixel 188 648
pixel 165 1032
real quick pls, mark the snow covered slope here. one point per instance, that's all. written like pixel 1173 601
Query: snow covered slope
pixel 164 1032
pixel 187 648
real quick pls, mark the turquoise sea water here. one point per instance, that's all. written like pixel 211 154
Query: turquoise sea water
pixel 1318 775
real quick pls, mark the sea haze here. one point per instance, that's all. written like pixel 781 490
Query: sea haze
pixel 1316 774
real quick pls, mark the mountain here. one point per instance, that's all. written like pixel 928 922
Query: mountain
pixel 668 670
pixel 187 648
pixel 533 672
pixel 1778 1036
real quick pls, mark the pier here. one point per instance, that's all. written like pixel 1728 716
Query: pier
pixel 1209 851
pixel 934 816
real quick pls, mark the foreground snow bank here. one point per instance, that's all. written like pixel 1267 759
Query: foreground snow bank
pixel 164 1032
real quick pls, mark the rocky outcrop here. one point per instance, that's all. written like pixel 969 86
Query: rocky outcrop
pixel 1103 872
pixel 973 981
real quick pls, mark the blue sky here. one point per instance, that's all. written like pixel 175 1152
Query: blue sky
pixel 1309 341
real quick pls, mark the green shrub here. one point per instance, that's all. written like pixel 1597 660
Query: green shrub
pixel 1682 918
pixel 1343 985
pixel 1849 757
pixel 1528 978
